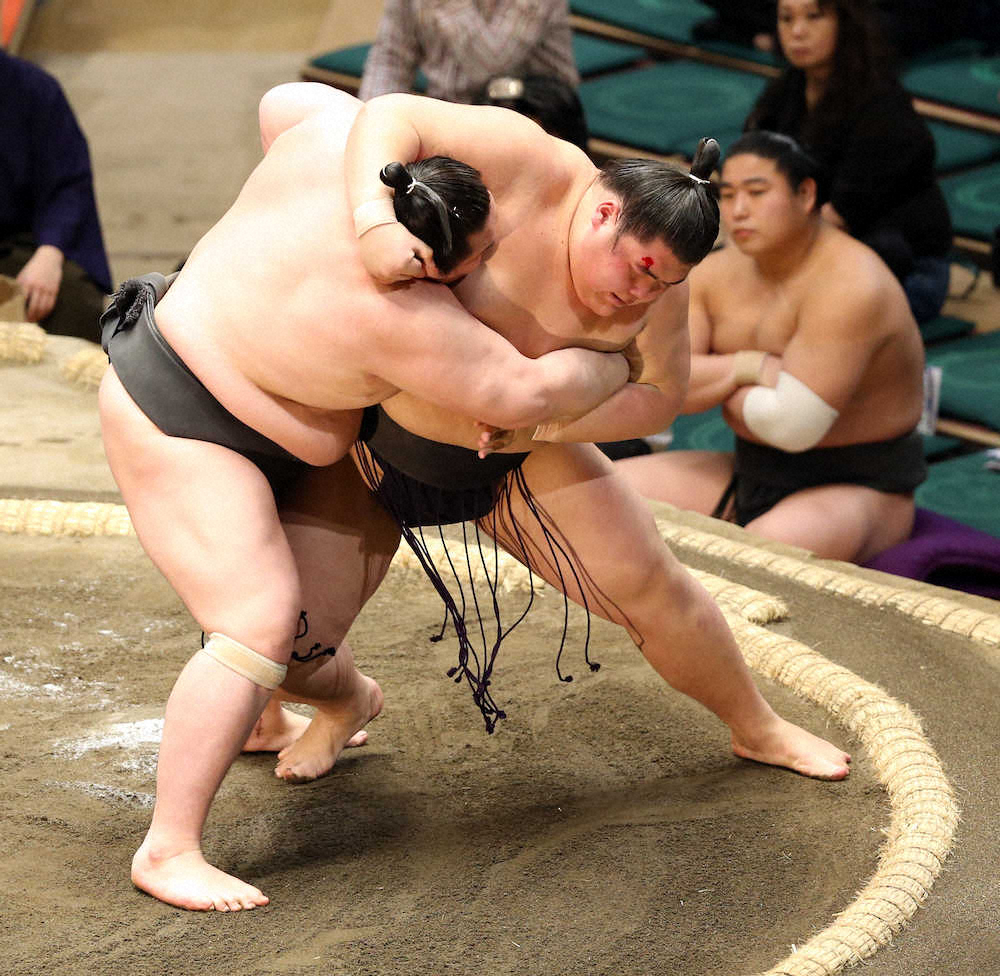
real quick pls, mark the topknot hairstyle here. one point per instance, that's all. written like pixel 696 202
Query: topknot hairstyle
pixel 442 201
pixel 660 201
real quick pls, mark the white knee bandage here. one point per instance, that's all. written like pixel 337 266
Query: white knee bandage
pixel 239 658
pixel 790 417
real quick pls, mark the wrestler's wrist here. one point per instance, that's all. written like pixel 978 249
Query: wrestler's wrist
pixel 747 367
pixel 373 213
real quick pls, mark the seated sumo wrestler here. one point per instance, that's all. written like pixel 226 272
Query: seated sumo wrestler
pixel 806 339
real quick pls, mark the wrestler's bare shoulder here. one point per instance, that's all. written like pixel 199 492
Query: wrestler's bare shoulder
pixel 874 297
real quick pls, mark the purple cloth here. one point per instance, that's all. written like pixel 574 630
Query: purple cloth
pixel 46 186
pixel 946 553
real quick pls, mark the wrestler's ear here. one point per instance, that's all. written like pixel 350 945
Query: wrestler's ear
pixel 606 212
pixel 806 194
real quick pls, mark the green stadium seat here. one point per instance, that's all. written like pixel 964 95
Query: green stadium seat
pixel 668 107
pixel 958 147
pixel 964 489
pixel 974 201
pixel 671 21
pixel 969 82
pixel 970 380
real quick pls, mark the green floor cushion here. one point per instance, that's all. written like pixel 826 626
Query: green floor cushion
pixel 343 60
pixel 970 82
pixel 958 147
pixel 597 54
pixel 970 379
pixel 669 20
pixel 665 20
pixel 974 201
pixel 945 327
pixel 666 107
pixel 705 431
pixel 964 489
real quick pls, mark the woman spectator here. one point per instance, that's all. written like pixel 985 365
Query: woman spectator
pixel 841 100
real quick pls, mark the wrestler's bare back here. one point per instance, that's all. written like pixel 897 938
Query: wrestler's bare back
pixel 274 311
pixel 749 312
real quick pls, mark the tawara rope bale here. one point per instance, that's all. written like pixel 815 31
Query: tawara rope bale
pixel 924 810
pixel 43 517
pixel 22 342
pixel 86 367
pixel 949 615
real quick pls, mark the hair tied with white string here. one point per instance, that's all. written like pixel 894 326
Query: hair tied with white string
pixel 706 158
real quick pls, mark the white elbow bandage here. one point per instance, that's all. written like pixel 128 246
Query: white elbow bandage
pixel 373 213
pixel 239 658
pixel 790 417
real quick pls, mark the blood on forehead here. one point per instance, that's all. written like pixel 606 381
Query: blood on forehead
pixel 647 261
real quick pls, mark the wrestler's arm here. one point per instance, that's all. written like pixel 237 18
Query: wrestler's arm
pixel 716 376
pixel 505 147
pixel 429 346
pixel 649 404
pixel 288 105
pixel 837 336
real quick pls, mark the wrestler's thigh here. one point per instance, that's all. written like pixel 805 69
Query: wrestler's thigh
pixel 207 519
pixel 342 541
pixel 847 522
pixel 623 567
pixel 694 480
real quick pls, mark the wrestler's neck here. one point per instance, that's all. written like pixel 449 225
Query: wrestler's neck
pixel 787 258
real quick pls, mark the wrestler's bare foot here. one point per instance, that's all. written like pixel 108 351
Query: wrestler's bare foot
pixel 279 727
pixel 333 725
pixel 785 744
pixel 187 880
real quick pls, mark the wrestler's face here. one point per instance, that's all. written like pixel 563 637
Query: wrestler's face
pixel 614 271
pixel 808 33
pixel 481 245
pixel 760 211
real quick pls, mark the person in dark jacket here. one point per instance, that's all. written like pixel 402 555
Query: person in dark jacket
pixel 841 100
pixel 50 234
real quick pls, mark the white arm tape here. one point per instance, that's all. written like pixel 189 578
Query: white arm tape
pixel 790 417
pixel 543 432
pixel 747 364
pixel 373 213
pixel 239 658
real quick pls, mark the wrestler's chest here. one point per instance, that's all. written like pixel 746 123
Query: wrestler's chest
pixel 767 324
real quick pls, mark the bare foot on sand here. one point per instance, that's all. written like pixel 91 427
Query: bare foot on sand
pixel 313 754
pixel 187 880
pixel 784 744
pixel 279 727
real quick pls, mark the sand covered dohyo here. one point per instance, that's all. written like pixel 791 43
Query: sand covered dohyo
pixel 605 824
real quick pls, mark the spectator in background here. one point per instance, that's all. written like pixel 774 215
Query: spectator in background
pixel 549 101
pixel 460 45
pixel 844 104
pixel 50 235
